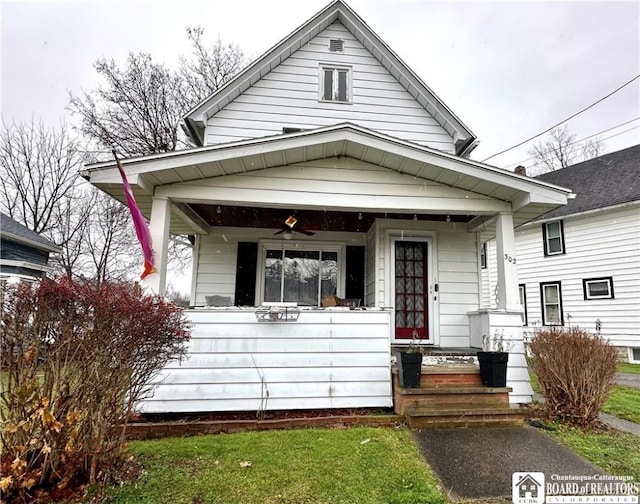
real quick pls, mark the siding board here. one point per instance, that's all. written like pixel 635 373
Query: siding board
pixel 289 94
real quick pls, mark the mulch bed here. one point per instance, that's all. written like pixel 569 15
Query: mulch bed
pixel 197 424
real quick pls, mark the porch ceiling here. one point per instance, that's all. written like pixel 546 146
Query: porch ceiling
pixel 528 198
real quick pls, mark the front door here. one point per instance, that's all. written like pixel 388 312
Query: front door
pixel 411 290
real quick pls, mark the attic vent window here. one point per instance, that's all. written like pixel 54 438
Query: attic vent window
pixel 336 45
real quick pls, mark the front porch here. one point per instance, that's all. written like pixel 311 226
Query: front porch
pixel 340 210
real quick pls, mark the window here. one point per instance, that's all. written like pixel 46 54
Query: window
pixel 483 255
pixel 634 355
pixel 335 84
pixel 553 237
pixel 551 297
pixel 304 275
pixel 522 289
pixel 598 288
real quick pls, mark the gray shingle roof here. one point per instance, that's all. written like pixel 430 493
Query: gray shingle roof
pixel 12 228
pixel 605 181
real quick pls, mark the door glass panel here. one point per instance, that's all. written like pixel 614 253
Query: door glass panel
pixel 418 303
pixel 400 285
pixel 400 303
pixel 399 268
pixel 408 269
pixel 399 252
pixel 418 269
pixel 410 319
pixel 409 253
pixel 400 319
pixel 419 286
pixel 418 253
pixel 408 285
pixel 410 305
pixel 419 319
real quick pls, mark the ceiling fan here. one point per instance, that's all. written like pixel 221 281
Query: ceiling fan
pixel 289 226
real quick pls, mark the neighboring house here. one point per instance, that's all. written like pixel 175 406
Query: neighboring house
pixel 580 264
pixel 331 128
pixel 24 254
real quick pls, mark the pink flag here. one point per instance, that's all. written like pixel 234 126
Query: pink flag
pixel 142 231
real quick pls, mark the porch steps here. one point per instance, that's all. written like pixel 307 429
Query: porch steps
pixel 454 396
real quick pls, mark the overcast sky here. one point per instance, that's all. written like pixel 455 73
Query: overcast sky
pixel 508 69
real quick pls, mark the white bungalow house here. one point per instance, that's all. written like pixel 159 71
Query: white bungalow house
pixel 331 128
pixel 580 264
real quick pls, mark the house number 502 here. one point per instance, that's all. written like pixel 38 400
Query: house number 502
pixel 507 257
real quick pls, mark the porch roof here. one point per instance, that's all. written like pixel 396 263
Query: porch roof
pixel 151 175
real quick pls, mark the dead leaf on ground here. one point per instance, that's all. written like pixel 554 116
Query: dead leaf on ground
pixel 245 464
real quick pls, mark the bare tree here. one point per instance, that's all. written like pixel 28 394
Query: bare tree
pixel 210 68
pixel 561 150
pixel 140 105
pixel 111 245
pixel 137 111
pixel 38 171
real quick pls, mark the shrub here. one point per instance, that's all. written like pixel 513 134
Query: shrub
pixel 77 357
pixel 575 370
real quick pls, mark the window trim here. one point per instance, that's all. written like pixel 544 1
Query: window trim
pixel 585 288
pixel 335 68
pixel 542 302
pixel 545 238
pixel 632 360
pixel 313 245
pixel 483 255
pixel 525 317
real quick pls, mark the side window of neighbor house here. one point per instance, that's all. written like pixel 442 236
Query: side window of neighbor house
pixel 553 238
pixel 551 301
pixel 483 255
pixel 335 84
pixel 598 288
pixel 522 290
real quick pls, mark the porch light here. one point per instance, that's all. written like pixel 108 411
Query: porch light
pixel 287 234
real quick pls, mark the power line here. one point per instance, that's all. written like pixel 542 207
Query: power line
pixel 563 121
pixel 583 139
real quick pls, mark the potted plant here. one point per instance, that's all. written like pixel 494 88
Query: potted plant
pixel 409 365
pixel 493 360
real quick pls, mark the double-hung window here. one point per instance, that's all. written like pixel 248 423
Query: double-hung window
pixel 335 84
pixel 304 275
pixel 551 298
pixel 553 238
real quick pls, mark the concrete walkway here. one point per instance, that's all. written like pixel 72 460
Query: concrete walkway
pixel 628 379
pixel 479 463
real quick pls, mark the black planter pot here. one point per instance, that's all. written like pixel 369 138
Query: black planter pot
pixel 493 368
pixel 409 366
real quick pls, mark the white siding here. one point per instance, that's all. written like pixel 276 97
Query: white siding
pixel 327 359
pixel 457 270
pixel 604 244
pixel 288 97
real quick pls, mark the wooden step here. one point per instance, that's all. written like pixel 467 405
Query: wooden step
pixel 441 375
pixel 454 396
pixel 440 418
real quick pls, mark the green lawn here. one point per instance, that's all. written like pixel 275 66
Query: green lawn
pixel 625 367
pixel 624 402
pixel 616 452
pixel 361 465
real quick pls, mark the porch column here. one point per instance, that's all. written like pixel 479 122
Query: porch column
pixel 507 285
pixel 159 230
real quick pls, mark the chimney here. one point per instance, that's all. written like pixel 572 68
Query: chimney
pixel 521 170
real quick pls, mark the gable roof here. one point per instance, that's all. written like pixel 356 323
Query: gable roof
pixel 13 230
pixel 195 120
pixel 602 182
